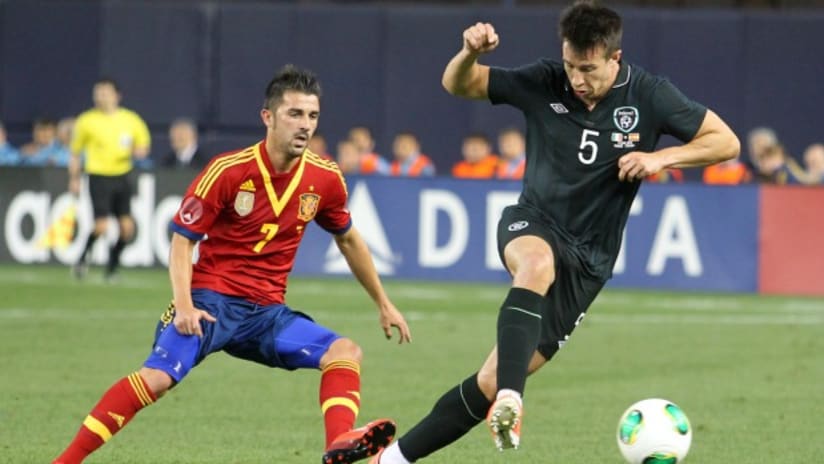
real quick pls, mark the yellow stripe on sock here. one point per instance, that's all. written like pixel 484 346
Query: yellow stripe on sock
pixel 143 388
pixel 98 428
pixel 339 401
pixel 136 388
pixel 351 365
pixel 140 389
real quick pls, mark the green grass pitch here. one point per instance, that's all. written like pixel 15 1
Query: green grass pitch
pixel 747 370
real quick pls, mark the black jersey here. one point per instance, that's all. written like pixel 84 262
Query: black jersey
pixel 572 153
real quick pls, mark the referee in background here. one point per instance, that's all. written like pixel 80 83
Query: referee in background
pixel 108 137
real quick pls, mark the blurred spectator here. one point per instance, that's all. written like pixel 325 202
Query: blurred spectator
pixel 45 149
pixel 776 167
pixel 730 172
pixel 317 145
pixel 409 161
pixel 512 147
pixel 348 157
pixel 478 160
pixel 370 162
pixel 9 156
pixel 814 160
pixel 667 175
pixel 185 152
pixel 65 127
pixel 759 140
pixel 361 136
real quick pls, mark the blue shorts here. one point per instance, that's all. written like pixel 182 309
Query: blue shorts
pixel 273 335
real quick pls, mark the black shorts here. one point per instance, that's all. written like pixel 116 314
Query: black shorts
pixel 574 289
pixel 111 195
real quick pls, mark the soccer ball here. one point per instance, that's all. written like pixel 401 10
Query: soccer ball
pixel 654 431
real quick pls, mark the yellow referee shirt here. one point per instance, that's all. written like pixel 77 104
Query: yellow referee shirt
pixel 108 140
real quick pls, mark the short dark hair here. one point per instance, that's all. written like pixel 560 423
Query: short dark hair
pixel 44 121
pixel 510 130
pixel 477 136
pixel 586 25
pixel 290 77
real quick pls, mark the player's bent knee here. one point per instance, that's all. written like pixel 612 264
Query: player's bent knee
pixel 343 349
pixel 158 381
pixel 127 227
pixel 100 228
pixel 127 235
pixel 537 271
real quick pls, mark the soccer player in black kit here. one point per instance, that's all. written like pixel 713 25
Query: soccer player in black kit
pixel 593 121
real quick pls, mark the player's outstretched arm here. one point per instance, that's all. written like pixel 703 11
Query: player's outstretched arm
pixel 464 76
pixel 713 143
pixel 187 317
pixel 357 255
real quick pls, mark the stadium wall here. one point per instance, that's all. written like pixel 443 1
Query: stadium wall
pixel 690 237
pixel 380 65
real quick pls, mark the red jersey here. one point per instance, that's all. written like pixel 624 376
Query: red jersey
pixel 253 219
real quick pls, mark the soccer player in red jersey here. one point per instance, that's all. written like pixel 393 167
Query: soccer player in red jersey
pixel 249 210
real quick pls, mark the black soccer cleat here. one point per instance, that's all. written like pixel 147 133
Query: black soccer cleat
pixel 360 443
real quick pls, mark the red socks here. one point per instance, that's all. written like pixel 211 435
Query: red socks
pixel 339 401
pixel 339 397
pixel 114 410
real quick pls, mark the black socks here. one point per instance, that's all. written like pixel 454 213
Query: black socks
pixel 519 330
pixel 454 414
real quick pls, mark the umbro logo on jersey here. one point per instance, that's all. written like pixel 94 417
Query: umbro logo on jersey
pixel 559 108
pixel 516 226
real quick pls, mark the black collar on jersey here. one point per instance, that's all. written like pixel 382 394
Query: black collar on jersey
pixel 624 74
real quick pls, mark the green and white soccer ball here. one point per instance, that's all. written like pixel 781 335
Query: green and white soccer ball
pixel 654 431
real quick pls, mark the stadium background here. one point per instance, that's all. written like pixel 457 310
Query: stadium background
pixel 381 64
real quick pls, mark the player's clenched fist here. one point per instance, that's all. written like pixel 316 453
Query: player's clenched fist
pixel 480 38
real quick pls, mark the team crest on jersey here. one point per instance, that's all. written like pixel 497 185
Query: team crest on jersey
pixel 244 202
pixel 308 206
pixel 626 118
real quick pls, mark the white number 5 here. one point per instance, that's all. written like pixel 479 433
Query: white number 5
pixel 582 156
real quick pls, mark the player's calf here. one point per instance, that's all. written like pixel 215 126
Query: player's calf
pixel 114 410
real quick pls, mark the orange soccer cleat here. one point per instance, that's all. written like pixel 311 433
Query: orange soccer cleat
pixel 360 443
